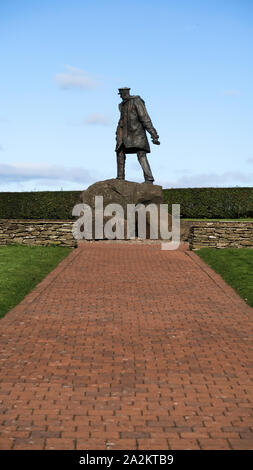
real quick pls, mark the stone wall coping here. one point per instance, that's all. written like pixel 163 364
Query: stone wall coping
pixel 221 222
pixel 197 222
pixel 37 221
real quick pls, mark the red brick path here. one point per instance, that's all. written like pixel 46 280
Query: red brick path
pixel 125 346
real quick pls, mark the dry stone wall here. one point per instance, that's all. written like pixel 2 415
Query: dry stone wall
pixel 216 234
pixel 221 234
pixel 37 232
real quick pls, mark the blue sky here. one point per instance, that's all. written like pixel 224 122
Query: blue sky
pixel 63 62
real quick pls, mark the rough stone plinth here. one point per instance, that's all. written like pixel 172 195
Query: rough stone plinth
pixel 123 192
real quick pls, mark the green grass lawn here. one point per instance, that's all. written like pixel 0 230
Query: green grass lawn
pixel 235 265
pixel 22 268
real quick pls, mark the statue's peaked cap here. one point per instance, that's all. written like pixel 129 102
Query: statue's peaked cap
pixel 124 88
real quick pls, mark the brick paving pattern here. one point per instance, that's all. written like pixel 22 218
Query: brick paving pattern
pixel 126 346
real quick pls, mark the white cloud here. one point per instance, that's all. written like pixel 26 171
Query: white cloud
pixel 97 118
pixel 227 178
pixel 24 172
pixel 75 78
pixel 232 92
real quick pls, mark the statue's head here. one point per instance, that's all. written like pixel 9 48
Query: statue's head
pixel 124 92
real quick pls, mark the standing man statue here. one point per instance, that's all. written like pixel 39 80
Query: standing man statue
pixel 131 133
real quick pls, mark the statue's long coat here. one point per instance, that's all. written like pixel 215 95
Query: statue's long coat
pixel 132 126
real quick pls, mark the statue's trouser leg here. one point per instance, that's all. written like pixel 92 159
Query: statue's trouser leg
pixel 142 157
pixel 121 158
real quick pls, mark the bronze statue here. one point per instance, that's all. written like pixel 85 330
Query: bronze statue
pixel 131 133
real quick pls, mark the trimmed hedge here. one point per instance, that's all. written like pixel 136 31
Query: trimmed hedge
pixel 212 203
pixel 38 204
pixel 209 203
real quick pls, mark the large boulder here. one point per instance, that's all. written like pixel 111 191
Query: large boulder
pixel 126 192
pixel 122 192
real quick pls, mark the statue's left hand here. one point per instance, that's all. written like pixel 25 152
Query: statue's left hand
pixel 156 141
